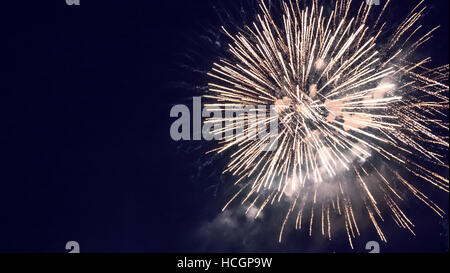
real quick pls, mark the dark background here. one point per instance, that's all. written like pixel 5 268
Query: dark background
pixel 85 148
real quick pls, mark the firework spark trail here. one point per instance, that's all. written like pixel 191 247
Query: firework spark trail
pixel 344 98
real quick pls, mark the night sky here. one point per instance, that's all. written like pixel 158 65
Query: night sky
pixel 86 152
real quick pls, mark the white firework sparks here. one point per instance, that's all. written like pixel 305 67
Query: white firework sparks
pixel 356 113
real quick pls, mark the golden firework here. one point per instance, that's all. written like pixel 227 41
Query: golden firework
pixel 357 113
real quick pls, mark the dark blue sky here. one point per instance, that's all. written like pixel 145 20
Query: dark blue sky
pixel 86 153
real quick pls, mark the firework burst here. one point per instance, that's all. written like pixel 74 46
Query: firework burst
pixel 357 114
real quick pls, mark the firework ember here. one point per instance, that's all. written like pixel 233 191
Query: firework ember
pixel 361 120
